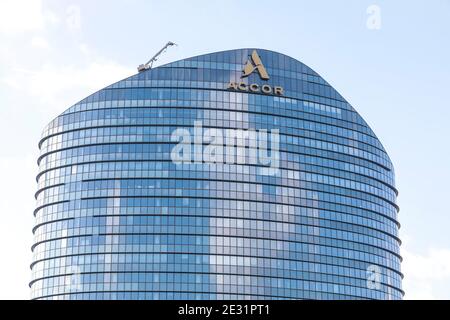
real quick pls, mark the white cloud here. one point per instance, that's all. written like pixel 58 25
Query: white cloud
pixel 54 85
pixel 424 272
pixel 39 42
pixel 17 204
pixel 51 18
pixel 20 15
pixel 84 48
pixel 58 87
pixel 73 20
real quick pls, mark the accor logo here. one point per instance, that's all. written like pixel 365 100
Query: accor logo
pixel 256 88
pixel 254 63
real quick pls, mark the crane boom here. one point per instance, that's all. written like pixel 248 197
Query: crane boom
pixel 149 64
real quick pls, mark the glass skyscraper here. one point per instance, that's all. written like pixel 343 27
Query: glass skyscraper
pixel 232 175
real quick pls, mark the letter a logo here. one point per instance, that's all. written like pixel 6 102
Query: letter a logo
pixel 255 63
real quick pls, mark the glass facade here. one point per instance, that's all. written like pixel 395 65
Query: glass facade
pixel 117 218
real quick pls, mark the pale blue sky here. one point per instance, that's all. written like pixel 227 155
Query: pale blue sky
pixel 397 77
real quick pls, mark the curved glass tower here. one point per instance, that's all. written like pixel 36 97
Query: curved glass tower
pixel 232 175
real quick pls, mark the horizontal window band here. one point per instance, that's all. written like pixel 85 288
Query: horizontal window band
pixel 385 250
pixel 229 255
pixel 250 165
pixel 350 128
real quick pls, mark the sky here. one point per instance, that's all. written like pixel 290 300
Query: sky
pixel 389 59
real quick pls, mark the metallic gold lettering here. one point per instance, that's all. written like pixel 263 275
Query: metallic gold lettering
pixel 243 86
pixel 278 91
pixel 232 85
pixel 254 87
pixel 266 89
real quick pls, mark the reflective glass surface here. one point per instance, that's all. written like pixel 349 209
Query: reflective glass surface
pixel 116 218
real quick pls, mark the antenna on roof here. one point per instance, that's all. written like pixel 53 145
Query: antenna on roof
pixel 149 64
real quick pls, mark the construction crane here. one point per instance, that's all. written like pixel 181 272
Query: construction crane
pixel 149 64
